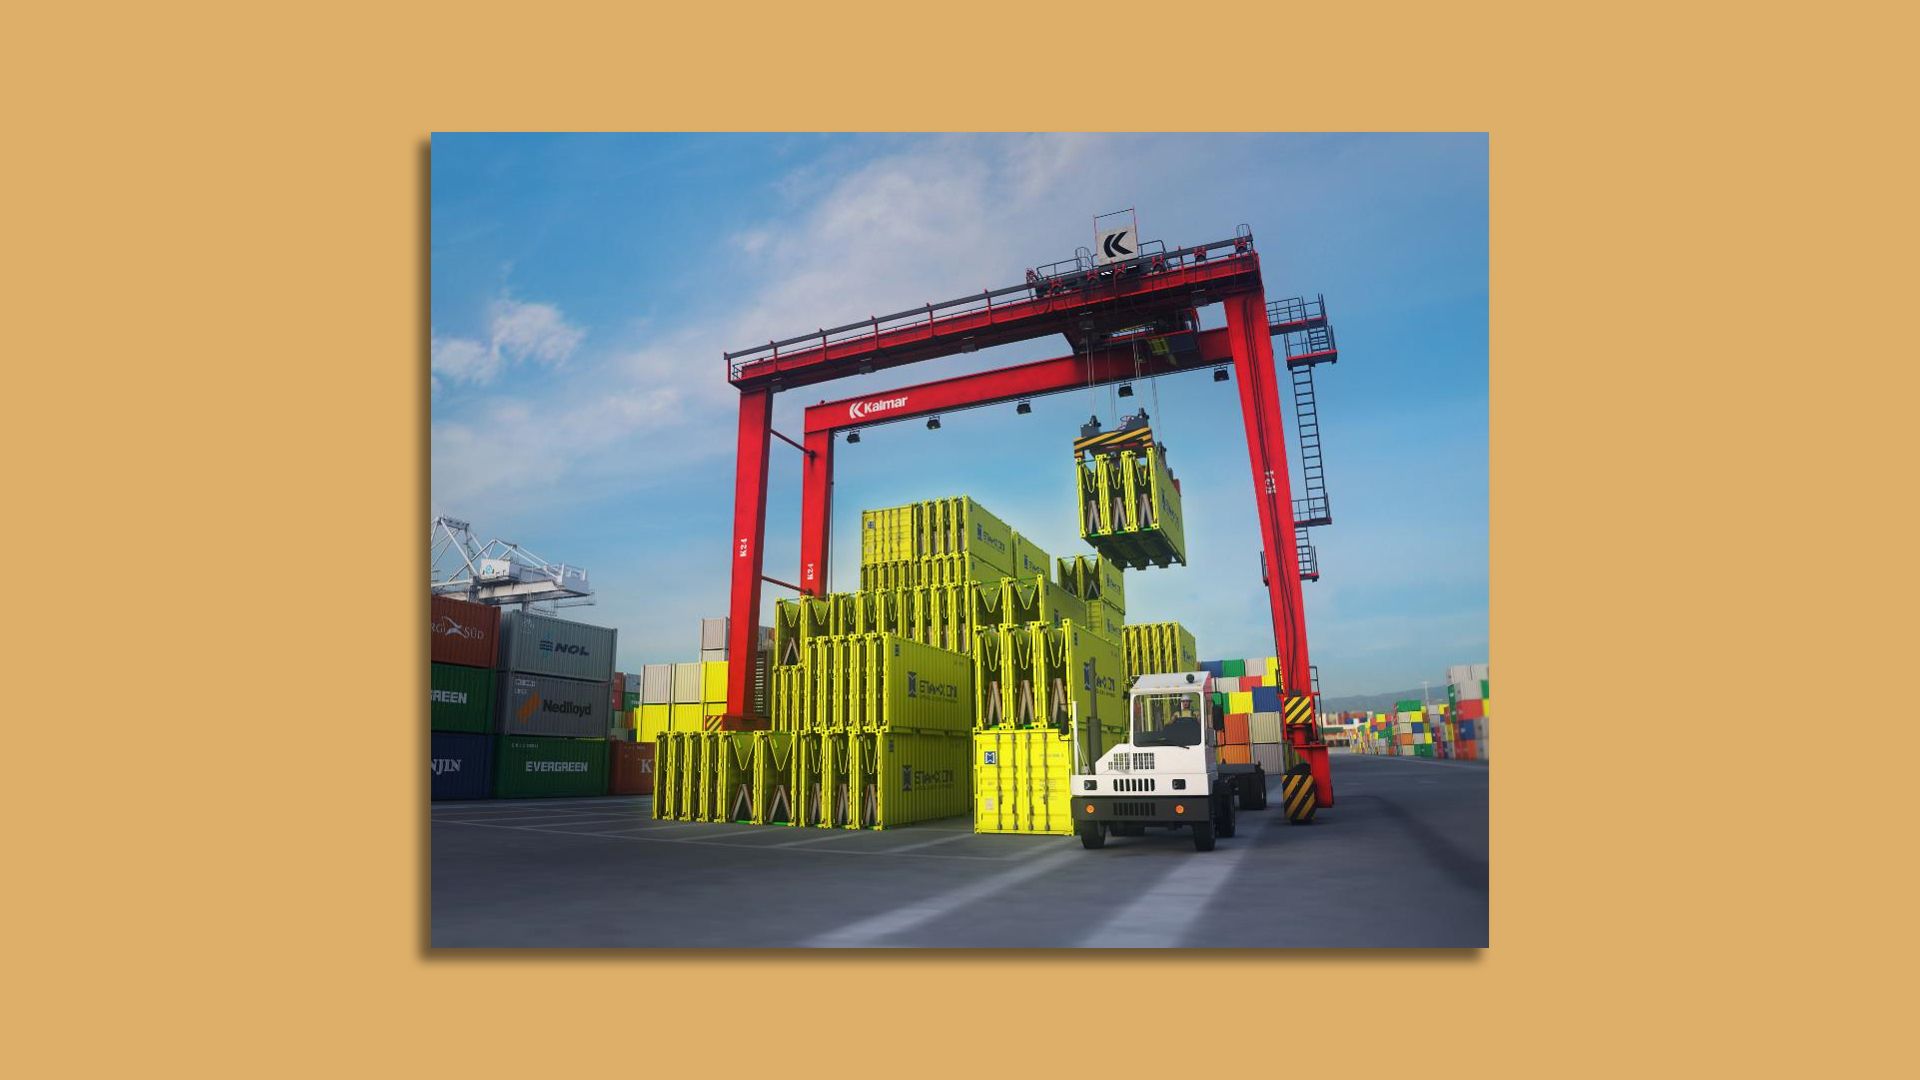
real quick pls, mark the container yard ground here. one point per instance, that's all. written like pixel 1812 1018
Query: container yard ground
pixel 1400 861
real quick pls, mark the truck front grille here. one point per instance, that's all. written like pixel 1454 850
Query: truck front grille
pixel 1139 784
pixel 1133 809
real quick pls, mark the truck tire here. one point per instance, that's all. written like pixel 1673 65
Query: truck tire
pixel 1203 835
pixel 1092 836
pixel 1254 795
pixel 1227 824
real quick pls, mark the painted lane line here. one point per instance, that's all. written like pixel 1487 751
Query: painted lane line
pixel 870 931
pixel 1162 916
pixel 930 843
pixel 729 846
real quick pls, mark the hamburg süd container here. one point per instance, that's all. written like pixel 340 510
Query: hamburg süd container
pixel 527 767
pixel 461 765
pixel 544 705
pixel 462 632
pixel 540 645
pixel 461 699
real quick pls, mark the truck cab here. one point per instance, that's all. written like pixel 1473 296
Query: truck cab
pixel 1168 773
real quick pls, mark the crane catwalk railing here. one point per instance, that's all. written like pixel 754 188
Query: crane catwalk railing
pixel 1054 283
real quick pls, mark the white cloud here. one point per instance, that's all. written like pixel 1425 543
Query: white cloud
pixel 533 332
pixel 518 332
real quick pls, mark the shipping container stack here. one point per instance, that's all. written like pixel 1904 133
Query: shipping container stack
pixel 552 706
pixel 1469 691
pixel 1247 693
pixel 464 639
pixel 1411 736
pixel 1050 702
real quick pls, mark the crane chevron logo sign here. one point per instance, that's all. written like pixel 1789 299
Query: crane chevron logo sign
pixel 860 410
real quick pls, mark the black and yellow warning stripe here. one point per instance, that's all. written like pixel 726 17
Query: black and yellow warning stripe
pixel 1112 442
pixel 1298 710
pixel 1297 795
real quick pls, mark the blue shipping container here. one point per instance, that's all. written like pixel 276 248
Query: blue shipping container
pixel 1212 667
pixel 462 765
pixel 1266 699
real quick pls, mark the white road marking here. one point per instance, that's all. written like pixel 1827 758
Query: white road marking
pixel 871 930
pixel 633 835
pixel 930 843
pixel 1161 917
pixel 831 834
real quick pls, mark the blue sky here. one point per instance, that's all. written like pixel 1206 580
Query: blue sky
pixel 584 287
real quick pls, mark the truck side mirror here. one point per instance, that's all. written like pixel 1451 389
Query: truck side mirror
pixel 1219 722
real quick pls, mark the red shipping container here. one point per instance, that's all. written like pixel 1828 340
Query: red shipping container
pixel 1235 755
pixel 1472 709
pixel 1467 751
pixel 463 632
pixel 618 694
pixel 629 768
pixel 1236 733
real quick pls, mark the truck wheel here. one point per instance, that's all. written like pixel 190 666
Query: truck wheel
pixel 1203 836
pixel 1092 836
pixel 1254 795
pixel 1227 822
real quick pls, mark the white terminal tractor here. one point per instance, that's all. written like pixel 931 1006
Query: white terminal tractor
pixel 1168 774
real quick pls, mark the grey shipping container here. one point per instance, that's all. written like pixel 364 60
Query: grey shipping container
pixel 686 684
pixel 544 705
pixel 713 634
pixel 656 684
pixel 544 646
pixel 707 655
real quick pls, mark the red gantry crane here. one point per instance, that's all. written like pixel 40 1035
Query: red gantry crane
pixel 1125 316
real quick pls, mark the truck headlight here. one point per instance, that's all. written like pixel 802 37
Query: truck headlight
pixel 1179 785
pixel 1088 785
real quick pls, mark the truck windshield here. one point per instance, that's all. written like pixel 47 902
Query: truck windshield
pixel 1166 720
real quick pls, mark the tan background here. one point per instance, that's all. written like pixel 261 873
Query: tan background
pixel 214 272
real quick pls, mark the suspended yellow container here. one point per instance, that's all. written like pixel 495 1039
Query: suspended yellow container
pixel 1130 508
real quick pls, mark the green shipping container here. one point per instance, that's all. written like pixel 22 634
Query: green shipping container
pixel 526 767
pixel 1232 669
pixel 461 699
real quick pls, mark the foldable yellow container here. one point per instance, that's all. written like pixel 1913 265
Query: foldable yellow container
pixel 1022 782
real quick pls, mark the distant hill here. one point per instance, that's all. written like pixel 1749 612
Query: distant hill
pixel 1383 701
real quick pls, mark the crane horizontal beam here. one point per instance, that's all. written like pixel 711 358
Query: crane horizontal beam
pixel 1110 364
pixel 1097 301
